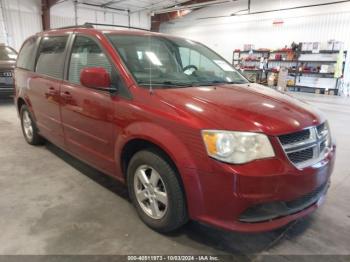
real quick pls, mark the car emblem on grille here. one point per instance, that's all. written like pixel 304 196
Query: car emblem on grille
pixel 318 138
pixel 307 150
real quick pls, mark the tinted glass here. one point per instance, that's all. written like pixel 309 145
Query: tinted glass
pixel 165 62
pixel 86 53
pixel 7 53
pixel 51 56
pixel 26 57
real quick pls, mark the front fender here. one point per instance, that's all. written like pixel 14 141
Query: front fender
pixel 170 143
pixel 160 136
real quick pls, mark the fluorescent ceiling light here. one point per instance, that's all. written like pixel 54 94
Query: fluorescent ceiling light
pixel 154 59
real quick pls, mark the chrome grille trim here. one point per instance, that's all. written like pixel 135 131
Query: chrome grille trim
pixel 317 140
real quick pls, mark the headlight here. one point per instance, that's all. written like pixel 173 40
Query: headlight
pixel 329 137
pixel 237 147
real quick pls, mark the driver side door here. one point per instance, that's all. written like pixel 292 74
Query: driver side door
pixel 88 114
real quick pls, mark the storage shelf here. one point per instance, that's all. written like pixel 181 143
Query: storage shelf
pixel 283 61
pixel 296 63
pixel 289 71
pixel 247 69
pixel 312 87
pixel 309 89
pixel 251 60
pixel 323 75
pixel 254 51
pixel 321 52
pixel 280 51
pixel 317 61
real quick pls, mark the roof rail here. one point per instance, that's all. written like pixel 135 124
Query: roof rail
pixel 90 25
pixel 76 26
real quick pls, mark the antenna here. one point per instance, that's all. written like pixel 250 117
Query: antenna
pixel 150 67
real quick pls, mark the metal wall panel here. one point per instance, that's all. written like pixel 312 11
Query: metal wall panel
pixel 63 15
pixel 225 34
pixel 20 19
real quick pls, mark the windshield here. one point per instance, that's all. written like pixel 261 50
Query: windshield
pixel 163 62
pixel 7 53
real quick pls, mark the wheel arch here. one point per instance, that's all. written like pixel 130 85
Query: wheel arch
pixel 20 103
pixel 140 136
pixel 24 100
pixel 143 135
pixel 138 144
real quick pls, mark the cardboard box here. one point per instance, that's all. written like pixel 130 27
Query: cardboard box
pixel 316 47
pixel 337 46
pixel 248 47
pixel 282 79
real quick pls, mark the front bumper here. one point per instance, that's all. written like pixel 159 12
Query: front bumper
pixel 276 209
pixel 221 198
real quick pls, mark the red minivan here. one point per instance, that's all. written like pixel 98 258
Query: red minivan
pixel 187 133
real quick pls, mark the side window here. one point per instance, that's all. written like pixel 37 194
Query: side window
pixel 26 57
pixel 51 57
pixel 86 53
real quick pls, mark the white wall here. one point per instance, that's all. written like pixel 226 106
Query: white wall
pixel 63 14
pixel 19 19
pixel 226 34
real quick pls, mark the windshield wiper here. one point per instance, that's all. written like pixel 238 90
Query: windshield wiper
pixel 166 83
pixel 216 82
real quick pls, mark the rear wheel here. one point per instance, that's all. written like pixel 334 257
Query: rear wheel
pixel 156 192
pixel 29 129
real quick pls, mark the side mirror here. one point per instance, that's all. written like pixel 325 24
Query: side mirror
pixel 96 78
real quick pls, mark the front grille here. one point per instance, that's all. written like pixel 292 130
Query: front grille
pixel 295 137
pixel 301 156
pixel 308 198
pixel 273 210
pixel 306 147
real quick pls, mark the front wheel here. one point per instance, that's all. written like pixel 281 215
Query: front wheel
pixel 156 192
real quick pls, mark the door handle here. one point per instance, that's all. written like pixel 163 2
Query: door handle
pixel 51 92
pixel 66 96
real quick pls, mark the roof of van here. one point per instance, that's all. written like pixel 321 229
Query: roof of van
pixel 116 30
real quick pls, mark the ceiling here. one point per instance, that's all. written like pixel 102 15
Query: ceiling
pixel 135 5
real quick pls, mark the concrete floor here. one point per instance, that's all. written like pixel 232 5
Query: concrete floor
pixel 50 203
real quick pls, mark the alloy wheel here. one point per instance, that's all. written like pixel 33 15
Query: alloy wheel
pixel 150 192
pixel 27 125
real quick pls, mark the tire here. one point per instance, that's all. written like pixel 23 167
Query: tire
pixel 171 215
pixel 29 128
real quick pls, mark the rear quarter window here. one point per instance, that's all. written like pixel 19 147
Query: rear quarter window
pixel 51 56
pixel 26 57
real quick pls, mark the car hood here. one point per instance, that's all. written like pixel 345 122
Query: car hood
pixel 248 107
pixel 7 64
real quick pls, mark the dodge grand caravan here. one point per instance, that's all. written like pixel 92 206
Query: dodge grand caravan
pixel 189 136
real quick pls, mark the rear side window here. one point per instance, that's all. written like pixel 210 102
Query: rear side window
pixel 26 57
pixel 51 57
